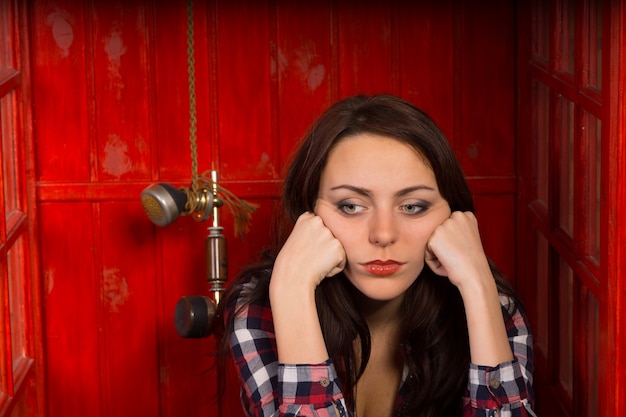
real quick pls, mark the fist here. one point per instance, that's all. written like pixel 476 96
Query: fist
pixel 455 250
pixel 310 254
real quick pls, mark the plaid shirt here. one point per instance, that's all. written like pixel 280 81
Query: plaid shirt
pixel 270 388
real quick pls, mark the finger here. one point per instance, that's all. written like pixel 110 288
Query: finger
pixel 332 245
pixel 434 264
pixel 340 267
pixel 436 267
pixel 341 259
pixel 304 216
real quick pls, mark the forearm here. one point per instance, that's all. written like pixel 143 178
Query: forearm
pixel 489 344
pixel 310 254
pixel 299 338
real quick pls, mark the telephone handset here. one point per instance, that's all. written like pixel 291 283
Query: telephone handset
pixel 163 204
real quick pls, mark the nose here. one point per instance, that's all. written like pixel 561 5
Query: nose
pixel 383 229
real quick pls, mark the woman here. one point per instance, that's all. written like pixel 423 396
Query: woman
pixel 381 301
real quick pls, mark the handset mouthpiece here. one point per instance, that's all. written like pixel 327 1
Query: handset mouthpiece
pixel 163 203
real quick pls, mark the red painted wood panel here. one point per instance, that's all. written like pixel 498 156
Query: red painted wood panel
pixel 71 313
pixel 112 113
pixel 246 94
pixel 487 100
pixel 169 97
pixel 61 91
pixel 305 70
pixel 574 300
pixel 171 105
pixel 128 297
pixel 496 217
pixel 22 379
pixel 425 31
pixel 121 124
pixel 613 347
pixel 365 48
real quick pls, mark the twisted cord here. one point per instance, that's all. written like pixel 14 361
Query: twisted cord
pixel 191 72
pixel 240 209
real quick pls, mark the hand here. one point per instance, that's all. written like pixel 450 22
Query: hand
pixel 455 250
pixel 310 254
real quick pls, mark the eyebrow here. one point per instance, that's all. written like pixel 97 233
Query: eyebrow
pixel 367 193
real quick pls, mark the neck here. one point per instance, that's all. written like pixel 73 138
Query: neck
pixel 380 314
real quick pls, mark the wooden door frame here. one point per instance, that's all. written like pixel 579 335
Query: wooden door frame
pixel 612 292
pixel 613 338
pixel 26 396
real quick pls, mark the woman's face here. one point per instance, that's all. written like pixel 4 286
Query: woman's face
pixel 380 200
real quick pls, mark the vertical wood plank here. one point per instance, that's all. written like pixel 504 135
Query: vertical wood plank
pixel 172 95
pixel 245 90
pixel 120 76
pixel 60 87
pixel 426 64
pixel 71 309
pixel 304 66
pixel 496 216
pixel 171 83
pixel 129 296
pixel 613 264
pixel 487 90
pixel 365 56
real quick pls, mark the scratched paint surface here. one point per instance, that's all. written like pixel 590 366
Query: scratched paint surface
pixel 62 31
pixel 116 160
pixel 115 291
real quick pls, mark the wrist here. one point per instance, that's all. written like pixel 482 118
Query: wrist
pixel 299 338
pixel 477 286
pixel 289 278
pixel 475 280
pixel 290 286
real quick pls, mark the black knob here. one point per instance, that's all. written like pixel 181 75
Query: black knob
pixel 194 316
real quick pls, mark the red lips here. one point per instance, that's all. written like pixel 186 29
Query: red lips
pixel 383 268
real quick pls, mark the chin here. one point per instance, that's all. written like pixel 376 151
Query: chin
pixel 381 288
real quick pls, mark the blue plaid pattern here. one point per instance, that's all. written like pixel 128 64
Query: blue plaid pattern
pixel 505 390
pixel 270 388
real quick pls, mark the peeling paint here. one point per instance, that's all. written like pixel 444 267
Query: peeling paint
pixel 282 62
pixel 116 161
pixel 472 151
pixel 142 145
pixel 115 290
pixel 264 164
pixel 62 31
pixel 48 277
pixel 312 75
pixel 115 48
pixel 316 76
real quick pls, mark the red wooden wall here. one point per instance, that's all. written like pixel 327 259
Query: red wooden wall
pixel 110 110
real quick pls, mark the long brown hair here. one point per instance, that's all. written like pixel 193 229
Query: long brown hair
pixel 434 329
